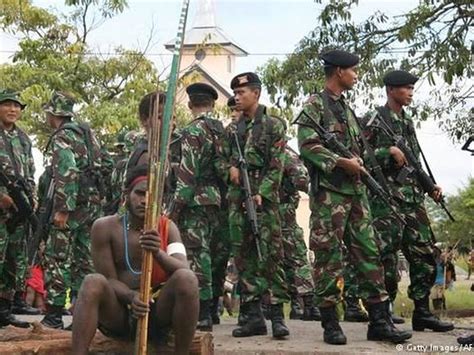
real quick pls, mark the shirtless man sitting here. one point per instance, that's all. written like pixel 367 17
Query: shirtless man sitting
pixel 109 300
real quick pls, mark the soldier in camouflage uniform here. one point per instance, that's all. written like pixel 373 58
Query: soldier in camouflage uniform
pixel 117 178
pixel 75 160
pixel 197 198
pixel 415 237
pixel 340 215
pixel 299 274
pixel 16 161
pixel 262 141
pixel 220 242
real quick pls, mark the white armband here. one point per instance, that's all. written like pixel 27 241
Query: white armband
pixel 176 248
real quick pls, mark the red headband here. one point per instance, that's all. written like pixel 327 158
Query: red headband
pixel 137 180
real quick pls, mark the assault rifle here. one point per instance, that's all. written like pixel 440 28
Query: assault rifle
pixel 44 216
pixel 21 195
pixel 426 181
pixel 250 207
pixel 331 141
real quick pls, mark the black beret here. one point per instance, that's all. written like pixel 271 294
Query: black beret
pixel 231 102
pixel 202 89
pixel 399 78
pixel 245 79
pixel 338 58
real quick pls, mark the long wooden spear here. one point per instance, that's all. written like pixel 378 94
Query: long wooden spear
pixel 158 147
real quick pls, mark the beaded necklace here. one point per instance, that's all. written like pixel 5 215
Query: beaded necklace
pixel 126 228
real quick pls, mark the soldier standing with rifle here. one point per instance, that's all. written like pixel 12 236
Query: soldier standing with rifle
pixel 75 161
pixel 298 270
pixel 391 135
pixel 197 198
pixel 340 216
pixel 257 247
pixel 16 199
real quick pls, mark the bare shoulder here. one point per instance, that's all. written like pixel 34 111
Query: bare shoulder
pixel 103 227
pixel 173 233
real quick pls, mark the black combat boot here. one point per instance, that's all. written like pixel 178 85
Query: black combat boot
pixel 215 311
pixel 266 310
pixel 354 312
pixel 381 326
pixel 332 330
pixel 295 309
pixel 205 321
pixel 395 319
pixel 466 340
pixel 255 324
pixel 21 307
pixel 423 319
pixel 279 328
pixel 243 316
pixel 53 318
pixel 310 311
pixel 6 316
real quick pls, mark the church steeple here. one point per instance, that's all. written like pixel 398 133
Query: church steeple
pixel 205 15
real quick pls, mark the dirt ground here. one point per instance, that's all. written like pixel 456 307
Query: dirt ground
pixel 306 338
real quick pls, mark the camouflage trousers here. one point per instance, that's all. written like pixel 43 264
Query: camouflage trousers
pixel 197 226
pixel 67 260
pixel 415 241
pixel 13 260
pixel 341 232
pixel 298 271
pixel 263 279
pixel 220 252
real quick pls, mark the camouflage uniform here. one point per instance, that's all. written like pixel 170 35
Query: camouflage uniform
pixel 415 238
pixel 197 198
pixel 263 148
pixel 67 257
pixel 13 245
pixel 117 177
pixel 340 216
pixel 298 270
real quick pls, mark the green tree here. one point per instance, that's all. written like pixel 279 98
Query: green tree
pixel 54 55
pixel 461 206
pixel 433 40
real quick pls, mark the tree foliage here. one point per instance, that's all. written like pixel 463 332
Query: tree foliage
pixel 433 40
pixel 462 208
pixel 54 54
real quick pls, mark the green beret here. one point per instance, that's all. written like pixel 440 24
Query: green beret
pixel 202 89
pixel 10 95
pixel 399 78
pixel 339 58
pixel 231 102
pixel 60 104
pixel 245 79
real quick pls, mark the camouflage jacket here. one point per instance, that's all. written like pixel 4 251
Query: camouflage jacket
pixel 202 166
pixel 295 179
pixel 73 184
pixel 263 143
pixel 22 154
pixel 380 142
pixel 334 114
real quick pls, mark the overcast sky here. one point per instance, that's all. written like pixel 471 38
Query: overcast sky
pixel 264 29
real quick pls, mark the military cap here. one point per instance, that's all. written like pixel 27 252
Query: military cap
pixel 245 79
pixel 10 95
pixel 231 102
pixel 399 78
pixel 202 89
pixel 339 58
pixel 60 104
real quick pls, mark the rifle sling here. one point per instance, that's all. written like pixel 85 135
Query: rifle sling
pixel 373 160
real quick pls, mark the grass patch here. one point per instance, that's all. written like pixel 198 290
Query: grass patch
pixel 461 297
